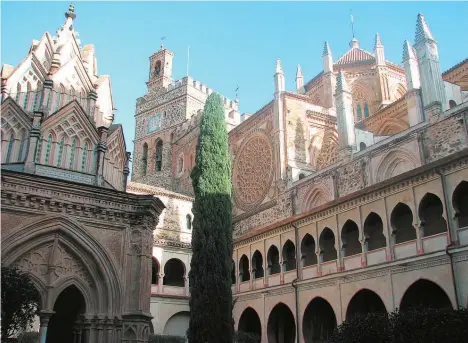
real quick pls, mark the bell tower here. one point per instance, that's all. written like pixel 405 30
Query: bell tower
pixel 160 73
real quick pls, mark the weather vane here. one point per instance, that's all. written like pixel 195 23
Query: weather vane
pixel 236 91
pixel 162 40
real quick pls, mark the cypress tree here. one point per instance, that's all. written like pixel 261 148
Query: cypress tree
pixel 211 264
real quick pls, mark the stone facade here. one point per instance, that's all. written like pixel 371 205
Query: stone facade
pixel 66 218
pixel 349 188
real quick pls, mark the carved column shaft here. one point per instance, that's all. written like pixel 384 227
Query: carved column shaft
pixel 101 153
pixel 34 134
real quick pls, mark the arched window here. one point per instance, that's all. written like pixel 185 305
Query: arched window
pixel 60 151
pixel 157 68
pixel 11 144
pixel 26 96
pixel 350 238
pixel 452 104
pixel 431 215
pixel 289 256
pixel 359 113
pixel 309 257
pixel 159 147
pixel 366 111
pixel 72 94
pixel 18 92
pixel 21 147
pixel 244 269
pixel 174 272
pixel 401 220
pixel 273 260
pixel 48 147
pixel 327 245
pixel 62 96
pixel 373 232
pixel 144 159
pixel 301 176
pixel 257 265
pixel 362 146
pixel 188 222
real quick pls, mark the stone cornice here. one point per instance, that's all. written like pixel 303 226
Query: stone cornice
pixel 146 189
pixel 34 192
pixel 173 244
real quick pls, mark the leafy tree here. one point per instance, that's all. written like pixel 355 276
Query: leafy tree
pixel 20 301
pixel 211 264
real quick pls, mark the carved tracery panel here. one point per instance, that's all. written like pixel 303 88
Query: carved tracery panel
pixel 253 171
pixel 328 152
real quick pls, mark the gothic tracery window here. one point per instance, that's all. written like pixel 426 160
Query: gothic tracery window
pixel 328 152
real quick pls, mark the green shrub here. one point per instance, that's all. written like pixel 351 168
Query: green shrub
pixel 166 339
pixel 28 337
pixel 245 337
pixel 418 325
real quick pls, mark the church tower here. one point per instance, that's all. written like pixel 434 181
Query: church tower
pixel 278 122
pixel 160 73
pixel 432 86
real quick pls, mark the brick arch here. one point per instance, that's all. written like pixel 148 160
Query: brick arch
pixel 97 279
pixel 392 160
pixel 390 127
pixel 316 196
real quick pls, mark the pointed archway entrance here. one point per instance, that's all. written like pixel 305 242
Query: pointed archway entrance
pixel 64 325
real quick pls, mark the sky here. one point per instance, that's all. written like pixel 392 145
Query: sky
pixel 231 43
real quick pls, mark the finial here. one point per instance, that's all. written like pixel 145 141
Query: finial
pixel 341 83
pixel 278 66
pixel 422 30
pixel 408 51
pixel 378 41
pixel 162 41
pixel 71 11
pixel 326 50
pixel 354 43
pixel 299 71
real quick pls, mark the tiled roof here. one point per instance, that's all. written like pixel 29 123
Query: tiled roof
pixel 456 66
pixel 355 55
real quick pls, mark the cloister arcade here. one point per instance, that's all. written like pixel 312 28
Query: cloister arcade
pixel 353 245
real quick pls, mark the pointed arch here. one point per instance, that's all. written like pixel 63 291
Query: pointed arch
pixel 289 256
pixel 105 294
pixel 391 127
pixel 431 215
pixel 328 151
pixel 22 143
pixel 366 110
pixel 159 153
pixel 394 163
pixel 10 147
pixel 273 260
pixel 257 265
pixel 359 112
pixel 72 160
pixel 244 272
pixel 48 150
pixel 60 150
pixel 317 196
pixel 308 247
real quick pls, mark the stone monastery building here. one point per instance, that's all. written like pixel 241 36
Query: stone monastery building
pixel 350 193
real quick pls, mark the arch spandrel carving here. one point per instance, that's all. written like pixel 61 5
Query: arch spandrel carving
pixel 253 171
pixel 54 258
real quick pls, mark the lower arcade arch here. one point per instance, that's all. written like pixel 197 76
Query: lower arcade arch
pixel 318 322
pixel 178 324
pixel 250 322
pixel 281 327
pixel 427 294
pixel 65 323
pixel 363 302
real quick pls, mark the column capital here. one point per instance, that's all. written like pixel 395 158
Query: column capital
pixel 45 316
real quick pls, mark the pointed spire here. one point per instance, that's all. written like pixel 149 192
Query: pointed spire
pixel 378 41
pixel 279 69
pixel 299 71
pixel 326 50
pixel 341 83
pixel 422 30
pixel 408 51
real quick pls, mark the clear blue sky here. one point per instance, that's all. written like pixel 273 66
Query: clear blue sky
pixel 231 43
